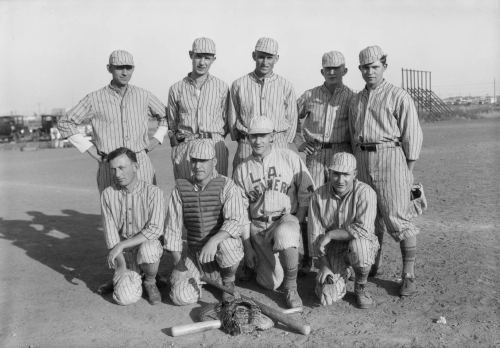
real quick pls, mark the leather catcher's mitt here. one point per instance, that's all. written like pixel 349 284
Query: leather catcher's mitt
pixel 237 317
pixel 332 290
pixel 418 200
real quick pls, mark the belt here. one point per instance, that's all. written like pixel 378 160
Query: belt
pixel 268 218
pixel 374 147
pixel 206 135
pixel 245 136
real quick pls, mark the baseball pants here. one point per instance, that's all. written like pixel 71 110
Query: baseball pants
pixel 130 291
pixel 227 259
pixel 267 240
pixel 386 171
pixel 318 162
pixel 146 172
pixel 245 149
pixel 181 160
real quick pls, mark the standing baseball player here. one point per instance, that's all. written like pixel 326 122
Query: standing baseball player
pixel 387 138
pixel 262 93
pixel 119 114
pixel 133 213
pixel 278 185
pixel 213 210
pixel 324 111
pixel 197 108
pixel 341 226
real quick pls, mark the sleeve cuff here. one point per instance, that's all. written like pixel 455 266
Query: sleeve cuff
pixel 160 133
pixel 79 141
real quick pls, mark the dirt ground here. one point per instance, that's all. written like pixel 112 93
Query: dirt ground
pixel 53 259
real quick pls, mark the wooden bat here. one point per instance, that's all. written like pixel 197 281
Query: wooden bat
pixel 187 329
pixel 272 313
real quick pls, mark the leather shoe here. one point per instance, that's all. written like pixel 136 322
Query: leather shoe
pixel 292 298
pixel 363 298
pixel 408 286
pixel 154 296
pixel 106 287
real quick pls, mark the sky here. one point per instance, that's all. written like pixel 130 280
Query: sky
pixel 55 52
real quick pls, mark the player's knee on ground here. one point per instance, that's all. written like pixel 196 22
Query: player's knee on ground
pixel 287 235
pixel 185 292
pixel 361 253
pixel 129 290
pixel 149 252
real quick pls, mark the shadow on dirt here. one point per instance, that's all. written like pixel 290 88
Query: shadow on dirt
pixel 71 244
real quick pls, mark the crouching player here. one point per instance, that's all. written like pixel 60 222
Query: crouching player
pixel 213 210
pixel 133 214
pixel 341 229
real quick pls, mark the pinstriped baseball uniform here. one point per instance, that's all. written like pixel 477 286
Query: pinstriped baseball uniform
pixel 230 251
pixel 124 215
pixel 192 112
pixel 117 121
pixel 326 123
pixel 273 97
pixel 283 185
pixel 386 118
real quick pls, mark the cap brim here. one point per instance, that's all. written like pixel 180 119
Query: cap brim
pixel 202 156
pixel 260 131
pixel 341 169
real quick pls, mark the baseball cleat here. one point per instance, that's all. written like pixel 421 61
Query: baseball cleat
pixel 363 298
pixel 106 287
pixel 408 285
pixel 154 296
pixel 292 298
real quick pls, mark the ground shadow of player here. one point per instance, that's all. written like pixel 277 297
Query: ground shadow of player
pixel 71 244
pixel 391 287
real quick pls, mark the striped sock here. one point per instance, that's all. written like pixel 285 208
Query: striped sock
pixel 150 270
pixel 289 259
pixel 361 274
pixel 408 252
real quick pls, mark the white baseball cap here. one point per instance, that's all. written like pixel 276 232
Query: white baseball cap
pixel 370 54
pixel 343 162
pixel 332 59
pixel 121 57
pixel 203 45
pixel 202 149
pixel 261 125
pixel 267 45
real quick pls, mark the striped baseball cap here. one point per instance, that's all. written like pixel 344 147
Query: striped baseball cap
pixel 203 45
pixel 120 57
pixel 202 149
pixel 370 54
pixel 343 162
pixel 332 59
pixel 261 125
pixel 267 45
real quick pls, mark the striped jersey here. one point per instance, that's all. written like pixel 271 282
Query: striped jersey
pixel 355 212
pixel 280 180
pixel 125 214
pixel 194 111
pixel 234 211
pixel 272 97
pixel 386 114
pixel 327 114
pixel 117 120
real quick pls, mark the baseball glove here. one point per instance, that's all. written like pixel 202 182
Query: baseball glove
pixel 418 200
pixel 332 291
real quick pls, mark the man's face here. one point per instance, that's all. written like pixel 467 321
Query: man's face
pixel 373 73
pixel 333 75
pixel 342 182
pixel 260 143
pixel 264 62
pixel 202 168
pixel 201 62
pixel 124 170
pixel 121 74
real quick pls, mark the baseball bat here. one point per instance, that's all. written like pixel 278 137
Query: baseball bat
pixel 272 313
pixel 187 329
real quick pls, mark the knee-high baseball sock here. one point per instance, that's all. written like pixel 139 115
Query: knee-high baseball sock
pixel 408 252
pixel 228 273
pixel 150 270
pixel 361 274
pixel 289 259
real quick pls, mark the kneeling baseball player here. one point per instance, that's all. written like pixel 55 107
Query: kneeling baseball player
pixel 341 228
pixel 213 210
pixel 278 185
pixel 133 214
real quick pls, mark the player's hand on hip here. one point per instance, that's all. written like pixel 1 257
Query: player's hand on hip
pixel 208 252
pixel 323 274
pixel 322 245
pixel 251 258
pixel 153 142
pixel 113 254
pixel 307 148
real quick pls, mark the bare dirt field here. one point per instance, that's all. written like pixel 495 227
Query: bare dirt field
pixel 53 259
